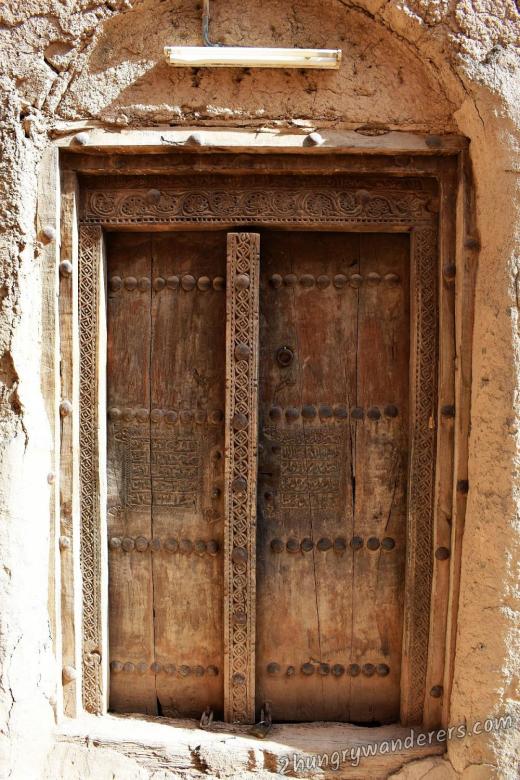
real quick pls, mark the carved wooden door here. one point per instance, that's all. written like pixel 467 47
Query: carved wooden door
pixel 265 425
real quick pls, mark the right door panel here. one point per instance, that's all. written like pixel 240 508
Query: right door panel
pixel 333 433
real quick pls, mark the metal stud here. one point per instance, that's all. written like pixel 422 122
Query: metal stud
pixel 373 543
pixel 141 414
pixel 66 268
pixel 442 553
pixel 392 279
pixel 128 667
pixel 275 413
pixel 48 233
pixel 373 413
pixel 212 547
pixel 185 416
pixel 322 282
pixel 184 670
pixel 65 408
pixel 128 413
pixel 127 544
pixel 142 667
pixel 290 280
pixel 216 416
pixel 369 670
pixel 340 412
pixel 81 138
pixel 200 416
pixel 242 281
pixel 239 485
pixel 325 411
pixel 171 416
pixel 219 283
pixel 355 281
pixel 391 410
pixel 198 671
pixel 324 669
pixel 185 547
pixel 212 671
pixel 242 351
pixel 307 281
pixel 337 670
pixel 357 413
pixel 195 139
pixel 308 412
pixel 130 283
pixel 188 282
pixel 388 543
pixel 115 543
pixel 291 671
pixel 449 272
pixel 277 546
pixel 171 545
pixel 273 668
pixel 448 410
pixel 238 679
pixel 116 666
pixel 155 545
pixel 383 670
pixel 356 542
pixel 155 667
pixel 141 544
pixel 239 421
pixel 324 544
pixel 200 546
pixel 307 544
pixel 159 284
pixel 115 283
pixel 144 284
pixel 276 281
pixel 156 415
pixel 340 545
pixel 313 139
pixel 172 282
pixel 463 486
pixel 239 555
pixel 293 545
pixel 239 618
pixel 169 668
pixel 340 281
pixel 153 196
pixel 307 669
pixel 292 413
pixel 204 283
pixel 437 691
pixel 354 670
pixel 373 277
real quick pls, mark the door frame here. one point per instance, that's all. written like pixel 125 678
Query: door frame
pixel 371 194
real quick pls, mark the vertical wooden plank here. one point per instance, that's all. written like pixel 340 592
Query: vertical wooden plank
pixel 421 475
pixel 466 270
pixel 92 468
pixel 131 624
pixel 445 416
pixel 48 226
pixel 241 476
pixel 187 373
pixel 381 444
pixel 69 455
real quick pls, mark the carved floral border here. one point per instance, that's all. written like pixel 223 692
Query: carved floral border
pixel 312 202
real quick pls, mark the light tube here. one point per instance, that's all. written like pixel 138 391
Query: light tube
pixel 251 57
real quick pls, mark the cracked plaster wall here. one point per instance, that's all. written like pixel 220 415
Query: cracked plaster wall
pixel 436 65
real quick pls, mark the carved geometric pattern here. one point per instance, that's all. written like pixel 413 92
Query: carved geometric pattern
pixel 301 200
pixel 421 473
pixel 240 492
pixel 339 201
pixel 90 247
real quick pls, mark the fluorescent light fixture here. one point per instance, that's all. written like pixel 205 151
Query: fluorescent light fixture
pixel 251 57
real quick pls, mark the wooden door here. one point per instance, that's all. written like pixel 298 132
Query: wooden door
pixel 166 386
pixel 332 336
pixel 333 432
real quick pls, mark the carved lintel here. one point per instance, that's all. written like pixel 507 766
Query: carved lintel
pixel 240 494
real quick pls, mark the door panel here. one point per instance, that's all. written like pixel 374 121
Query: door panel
pixel 332 474
pixel 169 457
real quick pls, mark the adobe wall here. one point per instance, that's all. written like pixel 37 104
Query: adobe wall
pixel 426 65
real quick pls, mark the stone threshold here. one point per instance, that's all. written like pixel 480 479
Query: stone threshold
pixel 181 749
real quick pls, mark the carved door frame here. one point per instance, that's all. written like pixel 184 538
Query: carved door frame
pixel 423 206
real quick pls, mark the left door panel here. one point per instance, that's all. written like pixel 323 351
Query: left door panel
pixel 166 396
